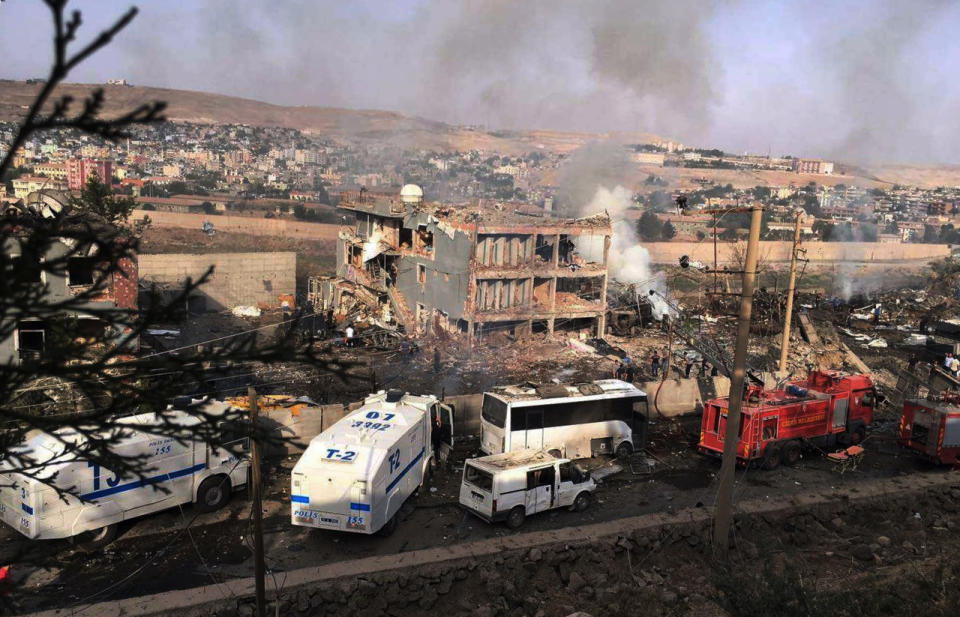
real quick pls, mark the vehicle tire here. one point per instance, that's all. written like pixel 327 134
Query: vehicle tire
pixel 857 436
pixel 95 539
pixel 213 494
pixel 771 459
pixel 582 502
pixel 555 453
pixel 624 450
pixel 389 527
pixel 516 517
pixel 790 455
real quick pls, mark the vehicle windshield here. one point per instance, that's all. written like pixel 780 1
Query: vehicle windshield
pixel 494 411
pixel 478 478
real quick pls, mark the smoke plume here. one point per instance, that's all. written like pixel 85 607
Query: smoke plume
pixel 629 262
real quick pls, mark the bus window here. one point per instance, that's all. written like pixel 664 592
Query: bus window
pixel 494 411
pixel 518 419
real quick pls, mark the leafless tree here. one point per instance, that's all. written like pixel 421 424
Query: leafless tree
pixel 79 389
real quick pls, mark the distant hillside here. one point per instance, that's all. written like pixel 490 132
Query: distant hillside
pixel 347 124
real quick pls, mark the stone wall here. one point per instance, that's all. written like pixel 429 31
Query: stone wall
pixel 819 253
pixel 238 279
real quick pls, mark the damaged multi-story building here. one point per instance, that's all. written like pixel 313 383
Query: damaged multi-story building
pixel 471 268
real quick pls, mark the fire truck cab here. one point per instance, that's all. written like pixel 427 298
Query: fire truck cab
pixel 932 428
pixel 825 409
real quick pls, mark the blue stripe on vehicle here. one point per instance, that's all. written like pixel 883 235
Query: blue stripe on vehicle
pixel 405 470
pixel 26 508
pixel 361 506
pixel 299 499
pixel 122 488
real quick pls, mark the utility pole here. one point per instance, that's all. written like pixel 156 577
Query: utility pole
pixel 258 567
pixel 724 514
pixel 785 345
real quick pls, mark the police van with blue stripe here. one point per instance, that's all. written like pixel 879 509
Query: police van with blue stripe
pixel 356 475
pixel 71 497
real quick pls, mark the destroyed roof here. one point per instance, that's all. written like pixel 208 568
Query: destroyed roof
pixel 531 392
pixel 480 216
pixel 510 460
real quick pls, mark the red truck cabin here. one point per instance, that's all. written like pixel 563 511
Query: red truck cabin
pixel 932 429
pixel 825 409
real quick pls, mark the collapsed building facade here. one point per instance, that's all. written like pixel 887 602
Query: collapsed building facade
pixel 473 268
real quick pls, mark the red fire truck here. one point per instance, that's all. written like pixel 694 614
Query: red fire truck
pixel 825 409
pixel 932 428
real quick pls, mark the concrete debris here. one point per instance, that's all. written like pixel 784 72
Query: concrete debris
pixel 246 311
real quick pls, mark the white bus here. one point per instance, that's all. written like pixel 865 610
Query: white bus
pixel 573 421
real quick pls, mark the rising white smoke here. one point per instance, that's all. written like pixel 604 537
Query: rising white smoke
pixel 371 248
pixel 629 262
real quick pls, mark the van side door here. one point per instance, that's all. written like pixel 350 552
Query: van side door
pixel 540 489
pixel 567 486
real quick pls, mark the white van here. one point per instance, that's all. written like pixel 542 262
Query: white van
pixel 190 471
pixel 355 475
pixel 607 416
pixel 509 487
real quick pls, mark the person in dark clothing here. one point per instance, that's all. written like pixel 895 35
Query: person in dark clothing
pixel 655 364
pixel 436 359
pixel 687 365
pixel 629 373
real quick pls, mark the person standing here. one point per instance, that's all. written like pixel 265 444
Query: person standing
pixel 349 333
pixel 687 365
pixel 655 364
pixel 436 360
pixel 665 363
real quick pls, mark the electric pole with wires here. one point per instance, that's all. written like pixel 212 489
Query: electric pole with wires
pixel 255 487
pixel 724 512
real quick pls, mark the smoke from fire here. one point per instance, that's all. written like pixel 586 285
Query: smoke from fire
pixel 628 261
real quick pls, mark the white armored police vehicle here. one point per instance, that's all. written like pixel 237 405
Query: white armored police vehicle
pixel 71 497
pixel 355 475
pixel 509 487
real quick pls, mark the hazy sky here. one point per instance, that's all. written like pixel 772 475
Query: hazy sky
pixel 868 80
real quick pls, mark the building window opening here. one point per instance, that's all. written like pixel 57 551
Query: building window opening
pixel 544 250
pixel 80 270
pixel 31 338
pixel 406 238
pixel 424 240
pixel 421 274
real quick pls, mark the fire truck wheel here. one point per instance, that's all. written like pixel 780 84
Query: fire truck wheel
pixel 791 453
pixel 772 458
pixel 516 517
pixel 213 494
pixel 582 502
pixel 624 450
pixel 857 436
pixel 95 539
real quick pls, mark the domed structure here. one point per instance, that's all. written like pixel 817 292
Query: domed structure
pixel 411 194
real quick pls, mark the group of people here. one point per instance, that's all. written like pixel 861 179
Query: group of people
pixel 660 364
